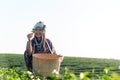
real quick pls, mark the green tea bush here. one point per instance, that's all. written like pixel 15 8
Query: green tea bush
pixel 18 74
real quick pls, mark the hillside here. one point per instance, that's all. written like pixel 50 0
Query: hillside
pixel 75 64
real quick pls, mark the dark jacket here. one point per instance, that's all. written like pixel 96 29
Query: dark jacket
pixel 37 47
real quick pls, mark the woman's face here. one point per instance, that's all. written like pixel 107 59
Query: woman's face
pixel 38 32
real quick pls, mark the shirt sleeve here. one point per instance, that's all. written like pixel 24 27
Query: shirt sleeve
pixel 33 47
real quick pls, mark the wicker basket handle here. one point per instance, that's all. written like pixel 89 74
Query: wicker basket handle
pixel 49 47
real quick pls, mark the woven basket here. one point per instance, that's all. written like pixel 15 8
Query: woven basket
pixel 44 64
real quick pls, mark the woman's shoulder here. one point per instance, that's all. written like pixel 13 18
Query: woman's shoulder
pixel 48 40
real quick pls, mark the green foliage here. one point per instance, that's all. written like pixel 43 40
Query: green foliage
pixel 75 64
pixel 80 64
pixel 17 74
pixel 13 74
pixel 13 68
pixel 12 60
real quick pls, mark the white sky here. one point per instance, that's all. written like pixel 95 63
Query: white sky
pixel 86 28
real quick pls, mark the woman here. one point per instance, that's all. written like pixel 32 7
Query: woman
pixel 37 44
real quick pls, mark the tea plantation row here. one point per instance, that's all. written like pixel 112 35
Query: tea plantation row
pixel 75 64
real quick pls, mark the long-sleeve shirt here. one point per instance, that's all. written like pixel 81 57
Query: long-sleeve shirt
pixel 37 47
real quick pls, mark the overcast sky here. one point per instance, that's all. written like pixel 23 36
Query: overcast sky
pixel 85 28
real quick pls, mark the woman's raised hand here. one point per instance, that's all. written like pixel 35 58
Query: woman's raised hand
pixel 30 36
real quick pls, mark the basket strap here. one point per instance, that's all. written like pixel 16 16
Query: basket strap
pixel 49 47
